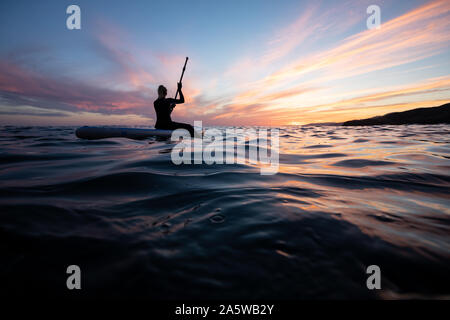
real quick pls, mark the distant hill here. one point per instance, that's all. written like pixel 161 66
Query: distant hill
pixel 432 115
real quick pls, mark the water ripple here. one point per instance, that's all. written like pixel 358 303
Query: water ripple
pixel 344 198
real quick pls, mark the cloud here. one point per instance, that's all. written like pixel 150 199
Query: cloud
pixel 312 24
pixel 277 84
pixel 112 44
pixel 439 85
pixel 421 33
pixel 126 87
pixel 418 34
pixel 31 111
pixel 364 106
pixel 37 88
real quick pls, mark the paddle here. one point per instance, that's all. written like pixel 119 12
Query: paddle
pixel 182 74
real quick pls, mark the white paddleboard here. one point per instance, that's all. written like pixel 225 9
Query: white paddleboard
pixel 92 133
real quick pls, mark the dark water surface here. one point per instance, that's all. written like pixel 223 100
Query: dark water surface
pixel 140 226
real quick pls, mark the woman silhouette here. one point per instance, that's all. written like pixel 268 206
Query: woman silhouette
pixel 164 107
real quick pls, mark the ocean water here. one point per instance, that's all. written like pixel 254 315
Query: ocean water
pixel 139 226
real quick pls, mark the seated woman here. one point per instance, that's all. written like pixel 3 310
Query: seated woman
pixel 164 107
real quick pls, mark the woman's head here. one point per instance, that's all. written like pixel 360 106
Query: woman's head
pixel 162 91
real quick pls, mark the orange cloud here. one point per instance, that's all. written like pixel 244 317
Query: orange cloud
pixel 361 106
pixel 413 36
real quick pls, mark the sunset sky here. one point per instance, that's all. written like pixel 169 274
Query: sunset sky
pixel 251 62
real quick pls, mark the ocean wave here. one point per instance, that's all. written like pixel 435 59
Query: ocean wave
pixel 141 226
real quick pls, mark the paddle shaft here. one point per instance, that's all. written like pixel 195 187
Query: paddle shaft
pixel 182 74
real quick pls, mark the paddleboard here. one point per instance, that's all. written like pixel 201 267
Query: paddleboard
pixel 92 133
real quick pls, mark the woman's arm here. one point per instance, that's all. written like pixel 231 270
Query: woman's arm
pixel 181 100
pixel 176 101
